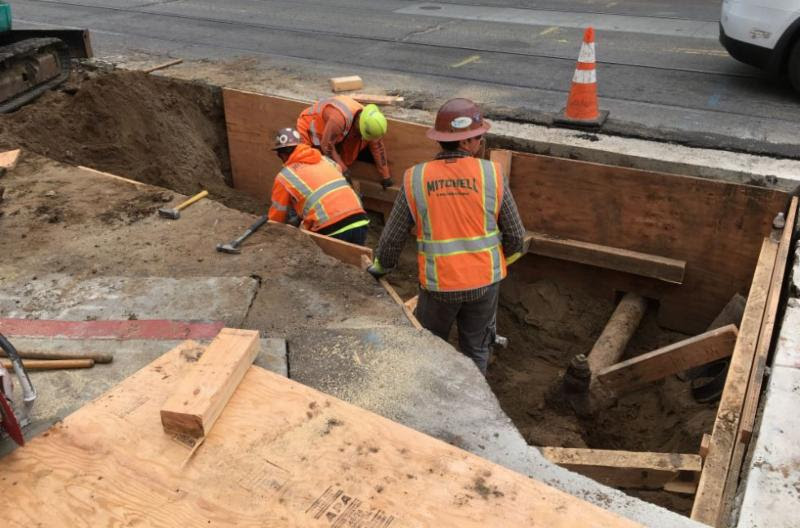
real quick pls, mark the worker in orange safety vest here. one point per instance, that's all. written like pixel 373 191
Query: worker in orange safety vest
pixel 343 129
pixel 468 229
pixel 311 188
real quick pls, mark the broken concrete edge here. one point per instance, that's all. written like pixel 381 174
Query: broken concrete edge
pixel 615 145
pixel 764 490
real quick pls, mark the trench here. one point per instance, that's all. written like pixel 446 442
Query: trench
pixel 172 134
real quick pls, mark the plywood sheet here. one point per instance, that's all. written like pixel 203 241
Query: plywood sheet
pixel 715 227
pixel 252 120
pixel 281 454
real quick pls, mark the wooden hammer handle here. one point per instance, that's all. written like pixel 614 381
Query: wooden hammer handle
pixel 48 364
pixel 193 199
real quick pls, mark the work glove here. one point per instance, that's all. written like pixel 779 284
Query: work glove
pixel 386 183
pixel 376 270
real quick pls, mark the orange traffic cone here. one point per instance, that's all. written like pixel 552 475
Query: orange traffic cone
pixel 582 107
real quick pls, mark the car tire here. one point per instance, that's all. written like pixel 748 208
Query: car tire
pixel 793 66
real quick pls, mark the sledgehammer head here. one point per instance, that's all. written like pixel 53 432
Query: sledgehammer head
pixel 228 248
pixel 172 214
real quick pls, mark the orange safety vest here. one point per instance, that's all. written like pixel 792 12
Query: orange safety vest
pixel 323 197
pixel 455 204
pixel 311 124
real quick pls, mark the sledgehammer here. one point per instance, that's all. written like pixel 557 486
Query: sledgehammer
pixel 174 214
pixel 233 247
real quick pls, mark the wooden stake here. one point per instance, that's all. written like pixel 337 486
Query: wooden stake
pixel 343 84
pixel 46 364
pixel 163 66
pixel 205 389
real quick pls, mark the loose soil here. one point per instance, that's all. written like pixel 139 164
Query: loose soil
pixel 151 129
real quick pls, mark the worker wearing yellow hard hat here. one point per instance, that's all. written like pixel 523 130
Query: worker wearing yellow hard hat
pixel 346 131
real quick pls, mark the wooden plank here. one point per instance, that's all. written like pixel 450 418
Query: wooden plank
pixel 51 364
pixel 281 455
pixel 202 393
pixel 671 359
pixel 624 469
pixel 112 176
pixel 409 313
pixel 345 251
pixel 708 504
pixel 344 84
pixel 750 408
pixel 252 120
pixel 384 100
pixel 637 263
pixel 411 304
pixel 716 227
pixel 374 190
pixel 9 158
pixel 503 158
pixel 768 325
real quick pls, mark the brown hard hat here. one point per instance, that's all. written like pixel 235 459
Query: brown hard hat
pixel 286 137
pixel 458 119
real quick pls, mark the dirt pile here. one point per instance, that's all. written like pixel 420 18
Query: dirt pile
pixel 155 130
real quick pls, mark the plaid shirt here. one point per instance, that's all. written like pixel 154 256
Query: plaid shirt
pixel 401 221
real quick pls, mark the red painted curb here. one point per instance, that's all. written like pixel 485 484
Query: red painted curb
pixel 145 329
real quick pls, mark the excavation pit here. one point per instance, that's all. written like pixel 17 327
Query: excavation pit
pixel 686 244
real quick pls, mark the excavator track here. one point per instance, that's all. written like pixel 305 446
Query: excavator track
pixel 29 68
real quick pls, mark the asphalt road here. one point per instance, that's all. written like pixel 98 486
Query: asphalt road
pixel 661 70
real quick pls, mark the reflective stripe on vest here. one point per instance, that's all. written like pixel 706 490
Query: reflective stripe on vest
pixel 316 112
pixel 430 249
pixel 313 200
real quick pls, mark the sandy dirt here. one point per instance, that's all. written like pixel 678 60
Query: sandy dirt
pixel 144 127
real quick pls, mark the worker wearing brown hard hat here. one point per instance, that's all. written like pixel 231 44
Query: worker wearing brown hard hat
pixel 468 229
pixel 311 188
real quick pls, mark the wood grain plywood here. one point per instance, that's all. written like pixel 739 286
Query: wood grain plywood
pixel 281 454
pixel 252 120
pixel 716 227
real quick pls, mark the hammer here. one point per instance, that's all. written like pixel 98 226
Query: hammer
pixel 233 247
pixel 174 214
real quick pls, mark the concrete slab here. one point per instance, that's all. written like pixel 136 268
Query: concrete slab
pixel 424 383
pixel 61 296
pixel 61 392
pixel 772 492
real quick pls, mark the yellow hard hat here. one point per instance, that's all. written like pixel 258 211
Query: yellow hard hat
pixel 372 123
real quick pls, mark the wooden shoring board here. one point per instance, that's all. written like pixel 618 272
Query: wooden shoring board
pixel 503 158
pixel 281 455
pixel 252 120
pixel 346 252
pixel 708 505
pixel 750 408
pixel 407 310
pixel 377 99
pixel 635 262
pixel 624 469
pixel 716 227
pixel 671 359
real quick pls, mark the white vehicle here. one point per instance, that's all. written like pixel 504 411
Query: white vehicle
pixel 764 34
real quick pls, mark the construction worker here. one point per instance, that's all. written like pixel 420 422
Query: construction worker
pixel 311 187
pixel 342 129
pixel 468 229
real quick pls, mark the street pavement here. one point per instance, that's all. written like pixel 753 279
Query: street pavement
pixel 661 70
